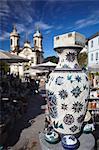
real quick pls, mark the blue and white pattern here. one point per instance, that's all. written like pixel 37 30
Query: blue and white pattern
pixel 70 57
pixel 65 66
pixel 69 77
pixel 68 119
pixel 64 106
pixel 73 128
pixel 52 104
pixel 52 97
pixel 53 111
pixel 68 92
pixel 63 94
pixel 85 87
pixel 59 80
pixel 76 66
pixel 77 106
pixel 78 78
pixel 80 118
pixel 76 92
pixel 57 125
pixel 86 78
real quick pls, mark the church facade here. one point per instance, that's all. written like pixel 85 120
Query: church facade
pixel 34 54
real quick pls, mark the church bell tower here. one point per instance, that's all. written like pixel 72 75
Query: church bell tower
pixel 38 48
pixel 14 40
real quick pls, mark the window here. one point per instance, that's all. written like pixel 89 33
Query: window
pixel 96 56
pixel 70 35
pixel 32 59
pixel 11 41
pixel 34 42
pixel 91 57
pixel 57 38
pixel 91 43
pixel 17 41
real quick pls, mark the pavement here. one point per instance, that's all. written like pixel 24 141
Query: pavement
pixel 25 135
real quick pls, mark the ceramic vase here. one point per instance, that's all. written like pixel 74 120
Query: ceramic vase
pixel 67 92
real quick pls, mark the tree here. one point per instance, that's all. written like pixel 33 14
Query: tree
pixel 53 59
pixel 82 59
pixel 4 67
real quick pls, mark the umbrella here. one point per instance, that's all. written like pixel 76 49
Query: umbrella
pixel 11 58
pixel 45 66
pixel 34 71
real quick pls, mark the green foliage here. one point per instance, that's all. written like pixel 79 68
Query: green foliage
pixel 82 59
pixel 4 67
pixel 52 59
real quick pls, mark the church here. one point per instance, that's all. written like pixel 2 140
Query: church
pixel 34 54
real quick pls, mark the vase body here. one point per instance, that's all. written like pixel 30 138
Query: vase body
pixel 67 92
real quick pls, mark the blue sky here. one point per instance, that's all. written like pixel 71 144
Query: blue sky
pixel 53 16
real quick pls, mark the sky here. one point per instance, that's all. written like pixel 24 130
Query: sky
pixel 54 17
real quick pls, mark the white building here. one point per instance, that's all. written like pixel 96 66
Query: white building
pixel 34 54
pixel 93 51
pixel 93 58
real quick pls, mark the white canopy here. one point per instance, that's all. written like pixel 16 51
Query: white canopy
pixel 45 66
pixel 34 71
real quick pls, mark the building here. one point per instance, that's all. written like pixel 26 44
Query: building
pixel 93 58
pixel 93 51
pixel 34 54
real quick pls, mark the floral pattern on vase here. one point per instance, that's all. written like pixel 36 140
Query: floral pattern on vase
pixel 59 80
pixel 70 57
pixel 68 119
pixel 76 91
pixel 77 107
pixel 68 93
pixel 52 104
pixel 73 128
pixel 63 94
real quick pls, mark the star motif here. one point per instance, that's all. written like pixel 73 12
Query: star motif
pixel 64 106
pixel 77 107
pixel 76 92
pixel 78 78
pixel 73 128
pixel 63 94
pixel 70 57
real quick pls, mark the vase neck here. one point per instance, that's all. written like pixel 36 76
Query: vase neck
pixel 68 59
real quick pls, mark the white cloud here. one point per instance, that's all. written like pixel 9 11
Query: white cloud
pixel 20 28
pixel 5 36
pixel 43 25
pixel 92 19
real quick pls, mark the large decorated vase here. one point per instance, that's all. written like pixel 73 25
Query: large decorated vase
pixel 68 87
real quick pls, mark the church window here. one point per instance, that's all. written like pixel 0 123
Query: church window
pixel 57 38
pixel 11 41
pixel 34 42
pixel 17 41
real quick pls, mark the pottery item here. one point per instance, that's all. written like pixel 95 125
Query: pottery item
pixel 70 142
pixel 68 86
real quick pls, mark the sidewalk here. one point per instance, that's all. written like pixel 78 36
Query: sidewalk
pixel 26 130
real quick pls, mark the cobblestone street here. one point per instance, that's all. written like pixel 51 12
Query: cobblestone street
pixel 25 134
